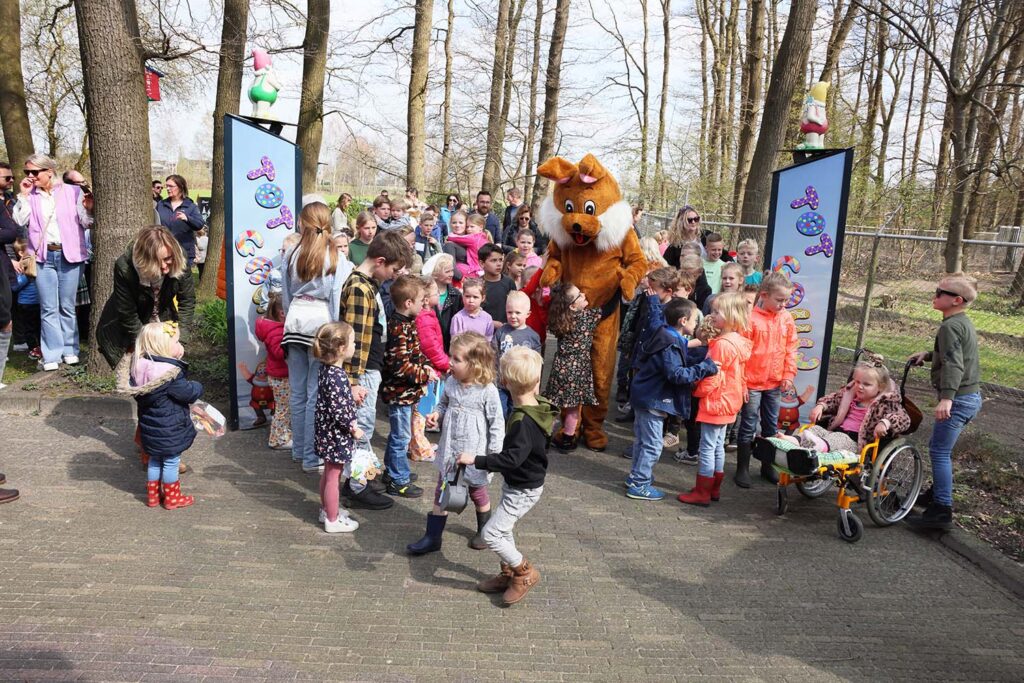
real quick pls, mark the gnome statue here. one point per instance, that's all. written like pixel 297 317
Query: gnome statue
pixel 813 120
pixel 263 92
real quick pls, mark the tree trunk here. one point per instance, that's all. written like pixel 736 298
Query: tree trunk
pixel 750 100
pixel 906 118
pixel 495 126
pixel 13 106
pixel 659 166
pixel 925 99
pixel 229 87
pixel 311 104
pixel 862 167
pixel 733 58
pixel 531 128
pixel 887 117
pixel 787 74
pixel 117 118
pixel 446 106
pixel 515 16
pixel 417 138
pixel 836 40
pixel 645 100
pixel 552 85
pixel 705 109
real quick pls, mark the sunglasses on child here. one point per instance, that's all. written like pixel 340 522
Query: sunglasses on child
pixel 940 292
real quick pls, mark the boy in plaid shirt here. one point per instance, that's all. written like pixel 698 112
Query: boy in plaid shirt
pixel 406 372
pixel 361 308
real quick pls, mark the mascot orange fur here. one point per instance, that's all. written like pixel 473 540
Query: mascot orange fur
pixel 594 247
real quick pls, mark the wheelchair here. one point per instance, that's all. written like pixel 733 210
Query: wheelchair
pixel 886 476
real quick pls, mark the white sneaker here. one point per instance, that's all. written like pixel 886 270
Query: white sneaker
pixel 50 367
pixel 71 360
pixel 19 347
pixel 318 469
pixel 342 525
pixel 322 517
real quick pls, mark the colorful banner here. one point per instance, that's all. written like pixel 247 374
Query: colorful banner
pixel 263 195
pixel 805 241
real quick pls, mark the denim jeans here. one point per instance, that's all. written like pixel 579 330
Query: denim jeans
pixel 396 460
pixel 712 449
pixel 648 432
pixel 506 402
pixel 940 446
pixel 163 468
pixel 57 282
pixel 764 403
pixel 366 413
pixel 303 375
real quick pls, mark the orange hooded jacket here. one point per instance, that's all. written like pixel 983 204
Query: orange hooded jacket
pixel 722 395
pixel 773 359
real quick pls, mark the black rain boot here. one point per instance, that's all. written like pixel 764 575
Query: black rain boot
pixel 935 518
pixel 768 472
pixel 477 542
pixel 742 476
pixel 431 541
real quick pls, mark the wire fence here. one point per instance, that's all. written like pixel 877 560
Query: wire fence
pixel 885 294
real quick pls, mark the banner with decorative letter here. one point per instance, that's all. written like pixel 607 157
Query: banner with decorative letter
pixel 806 225
pixel 263 196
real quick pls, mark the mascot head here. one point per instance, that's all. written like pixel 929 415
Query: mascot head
pixel 585 207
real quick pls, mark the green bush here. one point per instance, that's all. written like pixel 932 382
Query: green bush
pixel 211 322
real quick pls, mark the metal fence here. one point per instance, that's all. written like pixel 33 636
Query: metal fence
pixel 885 294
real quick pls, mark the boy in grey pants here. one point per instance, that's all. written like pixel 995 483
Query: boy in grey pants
pixel 523 462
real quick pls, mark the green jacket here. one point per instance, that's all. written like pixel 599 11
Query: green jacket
pixel 955 368
pixel 130 306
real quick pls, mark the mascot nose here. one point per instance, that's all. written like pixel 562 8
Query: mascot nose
pixel 576 227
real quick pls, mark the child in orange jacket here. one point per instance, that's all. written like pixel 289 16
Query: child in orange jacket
pixel 721 395
pixel 770 371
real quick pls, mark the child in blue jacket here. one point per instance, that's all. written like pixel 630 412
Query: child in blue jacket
pixel 157 379
pixel 665 372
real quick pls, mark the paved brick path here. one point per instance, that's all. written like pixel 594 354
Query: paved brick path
pixel 96 587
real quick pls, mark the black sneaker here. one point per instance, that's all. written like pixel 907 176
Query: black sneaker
pixel 407 490
pixel 935 518
pixel 385 480
pixel 367 499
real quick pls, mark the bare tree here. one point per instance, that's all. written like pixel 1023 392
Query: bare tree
pixel 552 86
pixel 446 105
pixel 311 104
pixel 531 129
pixel 415 156
pixel 13 106
pixel 659 145
pixel 229 85
pixel 118 123
pixel 495 124
pixel 750 103
pixel 787 74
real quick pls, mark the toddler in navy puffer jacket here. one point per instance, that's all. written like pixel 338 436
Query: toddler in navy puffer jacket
pixel 157 379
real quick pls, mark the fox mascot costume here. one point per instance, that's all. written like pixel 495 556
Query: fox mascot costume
pixel 593 246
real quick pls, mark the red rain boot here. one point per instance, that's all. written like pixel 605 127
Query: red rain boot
pixel 173 497
pixel 153 493
pixel 717 486
pixel 700 494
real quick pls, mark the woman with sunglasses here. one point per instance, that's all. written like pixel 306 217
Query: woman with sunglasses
pixel 685 228
pixel 451 205
pixel 56 216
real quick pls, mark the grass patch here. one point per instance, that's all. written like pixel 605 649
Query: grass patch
pixel 103 384
pixel 19 366
pixel 211 322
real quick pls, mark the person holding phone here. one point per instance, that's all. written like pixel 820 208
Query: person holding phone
pixel 179 214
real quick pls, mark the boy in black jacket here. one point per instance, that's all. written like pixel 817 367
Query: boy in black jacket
pixel 523 462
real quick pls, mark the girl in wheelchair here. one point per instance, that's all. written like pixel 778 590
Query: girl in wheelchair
pixel 868 407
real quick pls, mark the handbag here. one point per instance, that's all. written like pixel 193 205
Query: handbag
pixel 455 492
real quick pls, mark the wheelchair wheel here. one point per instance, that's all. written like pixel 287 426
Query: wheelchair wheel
pixel 814 488
pixel 849 526
pixel 896 480
pixel 781 500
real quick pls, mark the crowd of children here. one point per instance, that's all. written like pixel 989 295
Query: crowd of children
pixel 706 345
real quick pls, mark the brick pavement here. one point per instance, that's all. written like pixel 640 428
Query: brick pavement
pixel 244 585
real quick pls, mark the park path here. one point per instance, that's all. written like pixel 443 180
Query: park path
pixel 244 585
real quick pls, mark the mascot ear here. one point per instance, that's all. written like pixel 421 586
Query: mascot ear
pixel 591 170
pixel 557 169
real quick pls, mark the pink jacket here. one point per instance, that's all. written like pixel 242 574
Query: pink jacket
pixel 773 359
pixel 270 333
pixel 431 339
pixel 472 243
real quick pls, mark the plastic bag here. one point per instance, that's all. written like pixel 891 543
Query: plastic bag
pixel 429 402
pixel 364 465
pixel 208 419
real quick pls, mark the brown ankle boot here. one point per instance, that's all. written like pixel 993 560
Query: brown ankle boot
pixel 524 577
pixel 496 584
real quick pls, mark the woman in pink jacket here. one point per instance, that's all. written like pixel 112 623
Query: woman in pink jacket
pixel 57 215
